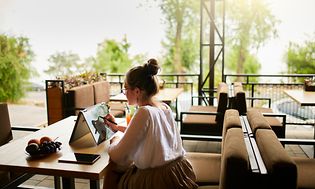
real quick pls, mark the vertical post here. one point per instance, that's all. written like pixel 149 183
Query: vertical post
pixel 200 77
pixel 211 50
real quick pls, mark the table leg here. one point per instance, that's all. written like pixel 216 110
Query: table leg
pixel 94 184
pixel 314 138
pixel 68 183
pixel 57 182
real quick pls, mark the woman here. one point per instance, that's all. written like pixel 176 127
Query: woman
pixel 151 148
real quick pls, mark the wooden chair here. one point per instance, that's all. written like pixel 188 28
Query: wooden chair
pixel 14 179
pixel 206 120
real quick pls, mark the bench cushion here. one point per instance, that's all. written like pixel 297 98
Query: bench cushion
pixel 206 167
pixel 306 173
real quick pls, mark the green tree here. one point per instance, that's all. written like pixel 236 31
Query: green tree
pixel 15 67
pixel 249 24
pixel 182 36
pixel 64 63
pixel 112 57
pixel 300 58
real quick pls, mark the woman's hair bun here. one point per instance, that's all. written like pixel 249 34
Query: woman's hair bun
pixel 152 67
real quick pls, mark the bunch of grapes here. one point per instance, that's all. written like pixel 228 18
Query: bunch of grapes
pixel 43 146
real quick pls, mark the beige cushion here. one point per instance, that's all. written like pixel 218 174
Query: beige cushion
pixel 206 166
pixel 306 172
pixel 257 120
pixel 81 97
pixel 235 164
pixel 274 122
pixel 282 171
pixel 231 120
pixel 201 124
pixel 101 91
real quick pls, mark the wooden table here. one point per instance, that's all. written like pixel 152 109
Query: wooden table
pixel 14 158
pixel 166 95
pixel 304 98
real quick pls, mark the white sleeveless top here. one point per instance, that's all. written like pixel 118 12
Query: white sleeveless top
pixel 151 139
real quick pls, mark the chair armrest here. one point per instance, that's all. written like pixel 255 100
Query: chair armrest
pixel 201 137
pixel 283 116
pixel 297 141
pixel 252 99
pixel 24 128
pixel 205 99
pixel 197 113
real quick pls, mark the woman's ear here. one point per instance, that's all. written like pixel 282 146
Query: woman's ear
pixel 137 91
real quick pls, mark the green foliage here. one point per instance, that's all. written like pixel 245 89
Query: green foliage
pixel 112 57
pixel 63 63
pixel 182 35
pixel 249 25
pixel 300 59
pixel 15 67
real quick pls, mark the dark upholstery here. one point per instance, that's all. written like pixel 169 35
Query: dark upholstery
pixel 235 164
pixel 282 170
pixel 5 125
pixel 240 104
pixel 306 172
pixel 207 124
pixel 5 137
pixel 227 170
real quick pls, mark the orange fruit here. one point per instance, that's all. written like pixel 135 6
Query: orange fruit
pixel 45 138
pixel 34 140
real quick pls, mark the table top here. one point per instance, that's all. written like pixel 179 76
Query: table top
pixel 14 158
pixel 166 95
pixel 304 98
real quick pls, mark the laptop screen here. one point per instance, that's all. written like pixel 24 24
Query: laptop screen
pixel 92 118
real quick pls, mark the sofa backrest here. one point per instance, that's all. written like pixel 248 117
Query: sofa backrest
pixel 257 120
pixel 231 120
pixel 80 98
pixel 222 91
pixel 282 170
pixel 235 168
pixel 101 91
pixel 240 98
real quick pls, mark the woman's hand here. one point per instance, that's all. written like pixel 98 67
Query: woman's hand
pixel 111 123
pixel 114 139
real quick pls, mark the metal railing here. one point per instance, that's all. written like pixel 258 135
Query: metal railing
pixel 273 86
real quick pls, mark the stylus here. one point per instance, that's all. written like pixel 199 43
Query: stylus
pixel 108 120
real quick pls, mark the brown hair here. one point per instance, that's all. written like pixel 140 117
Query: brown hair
pixel 144 77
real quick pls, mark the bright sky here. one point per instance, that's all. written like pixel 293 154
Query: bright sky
pixel 79 25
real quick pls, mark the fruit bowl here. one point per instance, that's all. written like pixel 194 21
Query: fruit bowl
pixel 42 147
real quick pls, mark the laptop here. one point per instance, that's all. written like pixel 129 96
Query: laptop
pixel 90 120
